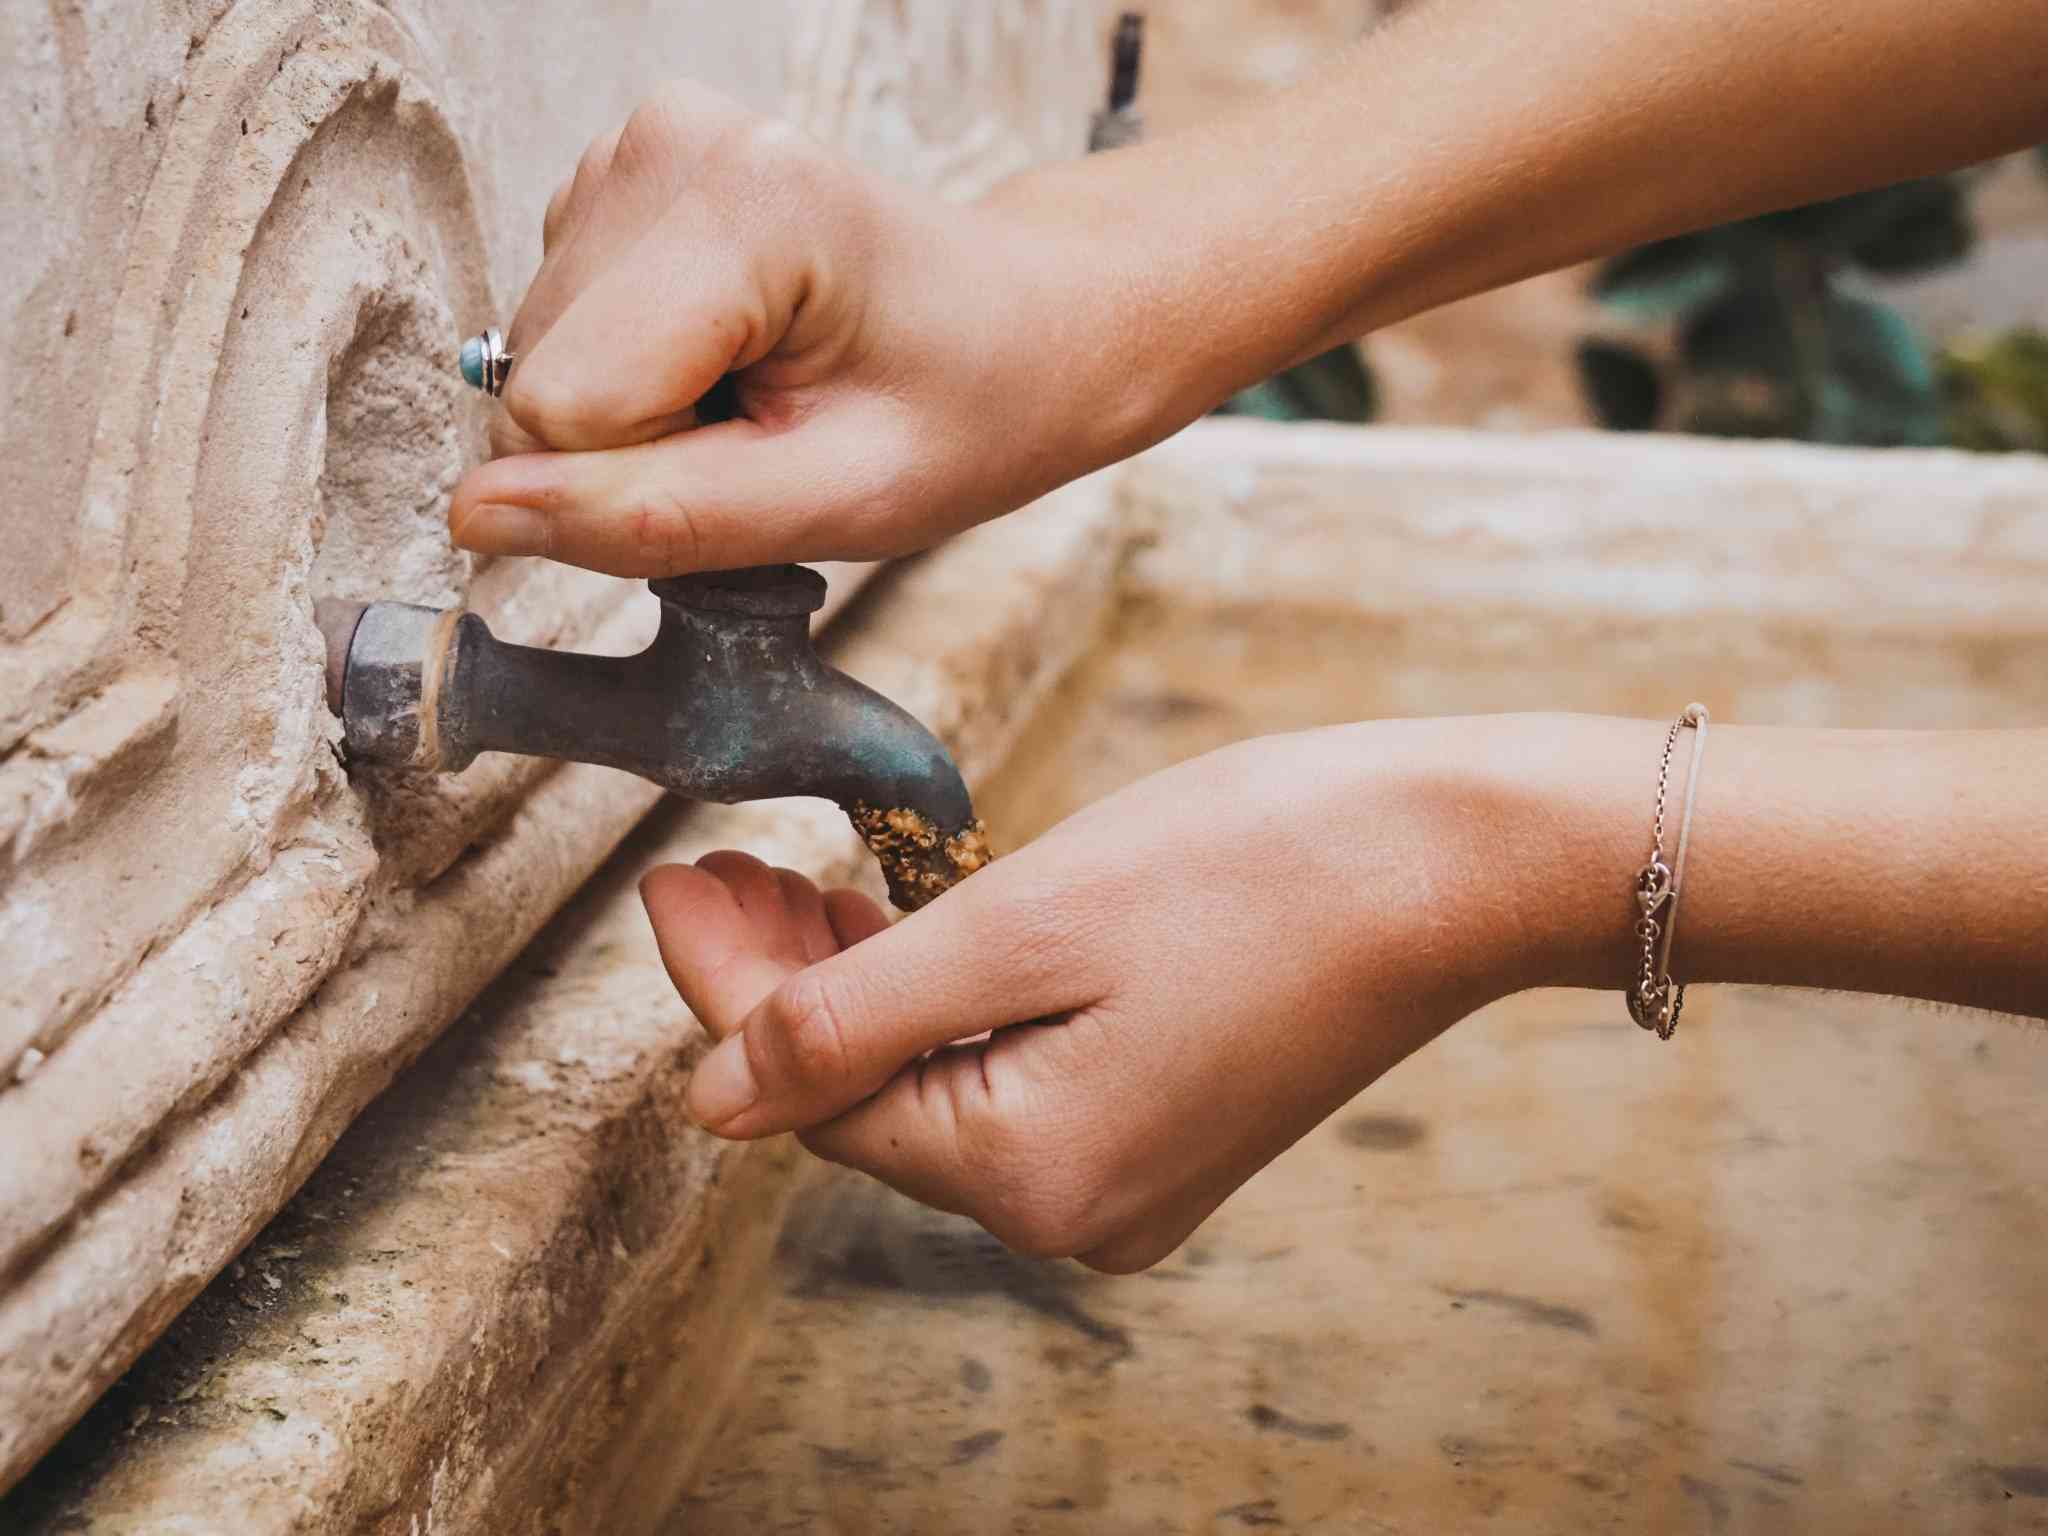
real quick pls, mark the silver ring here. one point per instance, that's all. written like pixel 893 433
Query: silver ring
pixel 485 363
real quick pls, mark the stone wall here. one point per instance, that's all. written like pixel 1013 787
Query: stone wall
pixel 243 240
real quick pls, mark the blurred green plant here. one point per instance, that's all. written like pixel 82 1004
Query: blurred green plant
pixel 1336 386
pixel 1774 336
pixel 1996 393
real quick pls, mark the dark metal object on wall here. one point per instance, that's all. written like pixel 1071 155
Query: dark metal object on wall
pixel 729 703
pixel 1119 122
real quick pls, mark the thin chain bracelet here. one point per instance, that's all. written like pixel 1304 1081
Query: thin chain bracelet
pixel 1654 999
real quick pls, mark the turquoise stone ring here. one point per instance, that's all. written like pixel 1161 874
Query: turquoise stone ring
pixel 485 362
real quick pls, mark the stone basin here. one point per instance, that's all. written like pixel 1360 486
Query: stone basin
pixel 1785 1274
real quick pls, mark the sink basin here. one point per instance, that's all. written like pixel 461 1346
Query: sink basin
pixel 1786 1274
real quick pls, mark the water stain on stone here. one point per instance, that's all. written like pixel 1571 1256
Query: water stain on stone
pixel 950 1265
pixel 1626 1213
pixel 1164 708
pixel 1482 1455
pixel 1383 1133
pixel 1255 1513
pixel 1765 1470
pixel 1528 1309
pixel 973 1447
pixel 2027 1481
pixel 1265 1417
pixel 834 1458
pixel 1708 1496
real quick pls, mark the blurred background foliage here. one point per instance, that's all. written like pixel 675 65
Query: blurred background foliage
pixel 1337 386
pixel 1914 314
pixel 1769 327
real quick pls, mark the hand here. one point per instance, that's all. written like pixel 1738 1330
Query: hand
pixel 904 367
pixel 1181 980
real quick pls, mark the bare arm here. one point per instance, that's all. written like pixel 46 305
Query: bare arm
pixel 907 368
pixel 1470 143
pixel 1904 862
pixel 1143 971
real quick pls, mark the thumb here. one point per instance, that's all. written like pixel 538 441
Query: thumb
pixel 737 493
pixel 835 1032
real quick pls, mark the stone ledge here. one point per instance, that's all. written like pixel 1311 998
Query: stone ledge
pixel 513 1295
pixel 1598 522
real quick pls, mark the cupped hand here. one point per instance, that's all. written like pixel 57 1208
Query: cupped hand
pixel 903 367
pixel 1091 1043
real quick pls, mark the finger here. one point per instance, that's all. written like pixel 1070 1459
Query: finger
pixel 592 221
pixel 854 916
pixel 999 1131
pixel 805 904
pixel 508 438
pixel 553 216
pixel 669 313
pixel 754 884
pixel 723 929
pixel 722 496
pixel 559 280
pixel 576 196
pixel 995 1130
pixel 832 1034
pixel 907 1135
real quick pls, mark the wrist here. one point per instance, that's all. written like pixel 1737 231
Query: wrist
pixel 1869 861
pixel 1574 796
pixel 1539 821
pixel 1109 321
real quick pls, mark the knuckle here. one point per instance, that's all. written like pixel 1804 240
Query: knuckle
pixel 551 219
pixel 650 130
pixel 813 1042
pixel 777 142
pixel 544 410
pixel 665 537
pixel 595 161
pixel 507 438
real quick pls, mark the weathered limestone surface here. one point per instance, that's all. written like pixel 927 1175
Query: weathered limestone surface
pixel 514 1297
pixel 242 240
pixel 1776 581
pixel 519 1294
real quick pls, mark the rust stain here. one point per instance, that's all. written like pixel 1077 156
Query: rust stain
pixel 918 862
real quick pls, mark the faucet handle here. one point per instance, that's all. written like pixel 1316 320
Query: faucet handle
pixel 757 591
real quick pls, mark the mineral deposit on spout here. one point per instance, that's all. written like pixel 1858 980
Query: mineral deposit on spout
pixel 917 861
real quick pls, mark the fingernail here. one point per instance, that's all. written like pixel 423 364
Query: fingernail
pixel 493 528
pixel 723 1086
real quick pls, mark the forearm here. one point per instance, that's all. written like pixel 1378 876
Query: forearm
pixel 1898 862
pixel 1470 143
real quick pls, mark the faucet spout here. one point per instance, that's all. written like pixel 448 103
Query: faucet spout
pixel 729 703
